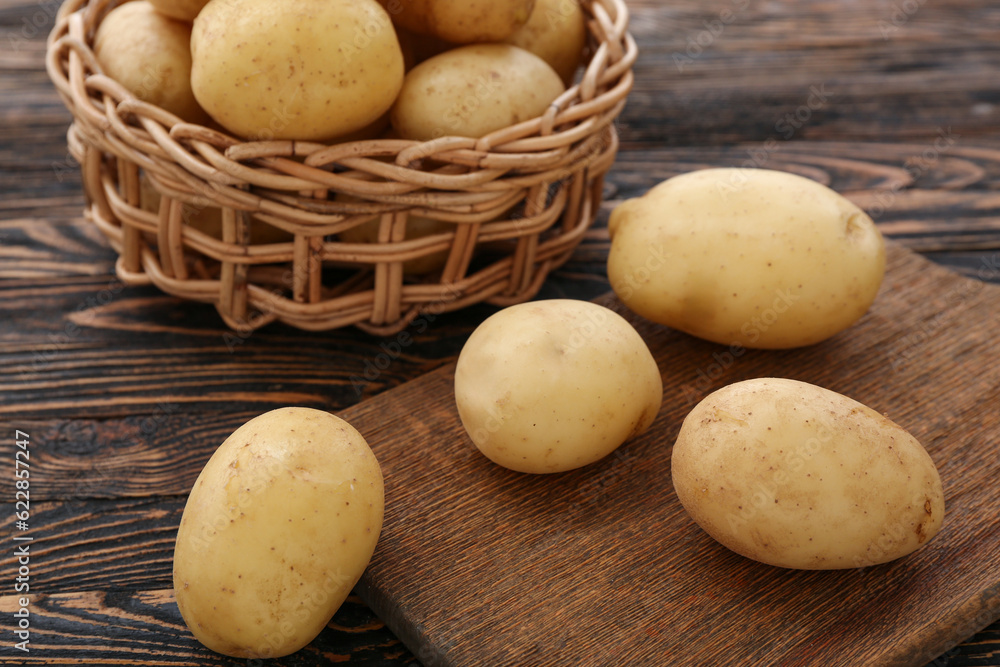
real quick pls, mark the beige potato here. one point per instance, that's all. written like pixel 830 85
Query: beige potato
pixel 553 385
pixel 798 476
pixel 299 69
pixel 748 257
pixel 149 54
pixel 280 525
pixel 557 33
pixel 461 21
pixel 182 10
pixel 473 90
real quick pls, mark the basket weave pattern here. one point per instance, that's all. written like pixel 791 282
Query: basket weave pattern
pixel 515 203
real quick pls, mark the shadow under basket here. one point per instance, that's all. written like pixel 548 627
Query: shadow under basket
pixel 319 236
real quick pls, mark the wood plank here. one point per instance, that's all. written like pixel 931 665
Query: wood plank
pixel 98 544
pixel 145 628
pixel 706 80
pixel 147 456
pixel 112 351
pixel 36 248
pixel 602 565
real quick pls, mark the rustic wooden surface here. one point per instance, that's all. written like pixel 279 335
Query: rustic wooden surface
pixel 125 392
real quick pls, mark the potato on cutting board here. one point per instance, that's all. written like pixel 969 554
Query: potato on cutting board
pixel 749 257
pixel 553 385
pixel 798 476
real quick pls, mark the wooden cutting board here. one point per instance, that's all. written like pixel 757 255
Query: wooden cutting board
pixel 601 566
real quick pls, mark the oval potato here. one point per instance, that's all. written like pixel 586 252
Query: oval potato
pixel 149 53
pixel 473 90
pixel 277 530
pixel 307 70
pixel 553 385
pixel 556 32
pixel 798 476
pixel 748 257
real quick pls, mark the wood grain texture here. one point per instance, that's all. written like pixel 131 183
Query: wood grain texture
pixel 601 566
pixel 145 628
pixel 726 71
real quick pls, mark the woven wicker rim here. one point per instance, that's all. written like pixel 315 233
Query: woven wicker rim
pixel 548 169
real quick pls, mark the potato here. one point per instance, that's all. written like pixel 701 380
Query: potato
pixel 149 54
pixel 748 257
pixel 279 527
pixel 473 90
pixel 797 476
pixel 182 10
pixel 556 32
pixel 461 21
pixel 552 385
pixel 308 70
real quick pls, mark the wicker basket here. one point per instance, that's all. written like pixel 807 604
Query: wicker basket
pixel 514 204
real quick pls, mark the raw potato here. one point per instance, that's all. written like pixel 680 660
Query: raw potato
pixel 794 475
pixel 298 69
pixel 549 386
pixel 746 257
pixel 279 527
pixel 149 54
pixel 473 90
pixel 557 33
pixel 461 21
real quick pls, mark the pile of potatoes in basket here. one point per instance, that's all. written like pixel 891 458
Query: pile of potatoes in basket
pixel 335 70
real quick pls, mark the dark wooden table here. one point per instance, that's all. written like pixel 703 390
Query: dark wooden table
pixel 125 392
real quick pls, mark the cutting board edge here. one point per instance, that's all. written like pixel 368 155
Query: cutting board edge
pixel 406 630
pixel 945 634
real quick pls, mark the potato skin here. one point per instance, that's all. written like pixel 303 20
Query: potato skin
pixel 798 476
pixel 749 257
pixel 299 69
pixel 556 32
pixel 277 530
pixel 149 53
pixel 553 385
pixel 473 90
